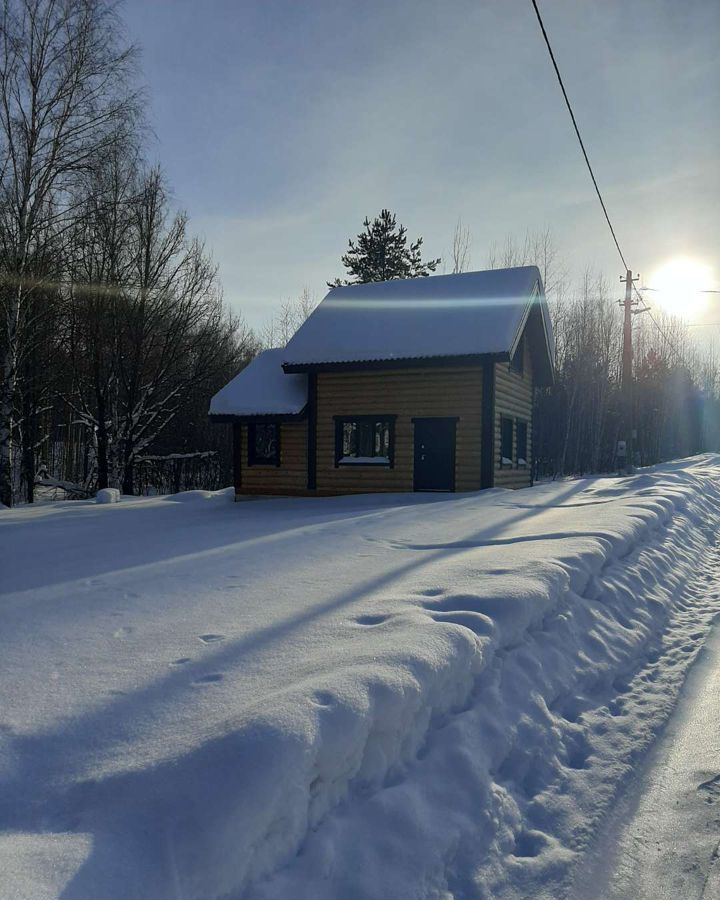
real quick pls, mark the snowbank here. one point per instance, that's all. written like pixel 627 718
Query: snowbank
pixel 200 496
pixel 107 495
pixel 408 696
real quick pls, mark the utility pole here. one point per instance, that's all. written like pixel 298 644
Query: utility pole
pixel 625 447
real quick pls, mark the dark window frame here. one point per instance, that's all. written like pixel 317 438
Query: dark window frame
pixel 382 461
pixel 252 458
pixel 506 419
pixel 525 424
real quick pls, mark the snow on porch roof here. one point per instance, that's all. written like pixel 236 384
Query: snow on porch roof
pixel 262 389
pixel 442 315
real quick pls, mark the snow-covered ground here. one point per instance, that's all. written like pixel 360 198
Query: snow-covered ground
pixel 411 696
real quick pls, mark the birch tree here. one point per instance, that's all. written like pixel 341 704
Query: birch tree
pixel 286 321
pixel 66 97
pixel 99 265
pixel 147 321
pixel 460 248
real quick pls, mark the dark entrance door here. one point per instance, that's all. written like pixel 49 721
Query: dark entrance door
pixel 434 454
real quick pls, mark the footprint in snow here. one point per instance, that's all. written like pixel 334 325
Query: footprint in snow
pixel 711 789
pixel 529 844
pixel 323 698
pixel 371 620
pixel 578 750
pixel 479 624
pixel 211 638
pixel 213 678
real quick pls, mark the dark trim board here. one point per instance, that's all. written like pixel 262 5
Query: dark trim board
pixel 487 427
pixel 311 409
pixel 420 362
pixel 531 461
pixel 269 417
pixel 415 419
pixel 532 311
pixel 367 416
pixel 524 320
pixel 237 456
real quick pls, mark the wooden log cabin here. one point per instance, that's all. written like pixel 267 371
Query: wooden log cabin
pixel 421 384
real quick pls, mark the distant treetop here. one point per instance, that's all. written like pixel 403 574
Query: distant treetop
pixel 381 253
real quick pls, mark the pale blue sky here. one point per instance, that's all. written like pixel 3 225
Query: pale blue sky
pixel 282 124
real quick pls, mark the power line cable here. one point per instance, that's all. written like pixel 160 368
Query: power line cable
pixel 592 175
pixel 577 131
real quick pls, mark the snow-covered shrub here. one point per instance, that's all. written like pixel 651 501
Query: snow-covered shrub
pixel 107 495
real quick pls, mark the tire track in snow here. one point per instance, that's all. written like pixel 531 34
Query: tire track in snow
pixel 666 822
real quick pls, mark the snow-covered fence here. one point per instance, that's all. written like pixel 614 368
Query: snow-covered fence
pixel 175 472
pixel 49 488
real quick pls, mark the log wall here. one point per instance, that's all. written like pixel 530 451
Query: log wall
pixel 405 393
pixel 513 399
pixel 290 477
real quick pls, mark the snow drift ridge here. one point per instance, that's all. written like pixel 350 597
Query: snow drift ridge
pixel 444 699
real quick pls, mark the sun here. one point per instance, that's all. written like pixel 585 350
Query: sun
pixel 677 288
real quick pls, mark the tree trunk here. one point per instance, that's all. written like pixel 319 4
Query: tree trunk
pixel 128 486
pixel 29 436
pixel 28 464
pixel 8 371
pixel 102 447
pixel 102 457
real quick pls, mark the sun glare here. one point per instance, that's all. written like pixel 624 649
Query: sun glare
pixel 677 288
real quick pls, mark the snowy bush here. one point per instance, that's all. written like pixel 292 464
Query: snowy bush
pixel 108 495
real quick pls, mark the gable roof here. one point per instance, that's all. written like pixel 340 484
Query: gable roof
pixel 439 318
pixel 470 314
pixel 261 389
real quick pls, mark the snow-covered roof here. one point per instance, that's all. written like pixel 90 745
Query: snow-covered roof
pixel 262 389
pixel 443 315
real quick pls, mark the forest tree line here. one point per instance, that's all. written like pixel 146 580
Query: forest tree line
pixel 579 420
pixel 111 313
pixel 113 330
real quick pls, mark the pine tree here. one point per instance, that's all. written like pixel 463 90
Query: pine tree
pixel 381 252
